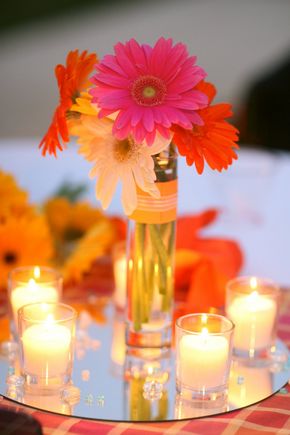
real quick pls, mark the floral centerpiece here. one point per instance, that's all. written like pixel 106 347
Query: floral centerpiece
pixel 141 107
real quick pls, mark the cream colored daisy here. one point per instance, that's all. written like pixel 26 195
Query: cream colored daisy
pixel 117 160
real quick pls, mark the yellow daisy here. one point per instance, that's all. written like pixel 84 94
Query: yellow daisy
pixel 94 244
pixel 84 105
pixel 70 221
pixel 23 241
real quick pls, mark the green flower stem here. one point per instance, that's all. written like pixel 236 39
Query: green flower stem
pixel 140 288
pixel 151 274
pixel 143 288
pixel 166 301
pixel 160 249
pixel 136 314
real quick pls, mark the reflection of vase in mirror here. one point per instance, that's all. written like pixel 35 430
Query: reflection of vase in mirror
pixel 145 400
pixel 144 363
pixel 118 347
pixel 198 408
pixel 146 385
pixel 249 384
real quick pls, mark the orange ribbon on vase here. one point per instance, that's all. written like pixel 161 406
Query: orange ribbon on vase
pixel 157 210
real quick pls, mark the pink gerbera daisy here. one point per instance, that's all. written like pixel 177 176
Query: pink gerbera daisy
pixel 150 88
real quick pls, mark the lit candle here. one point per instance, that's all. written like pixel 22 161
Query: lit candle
pixel 203 360
pixel 46 349
pixel 29 285
pixel 254 316
pixel 120 275
pixel 31 292
pixel 118 349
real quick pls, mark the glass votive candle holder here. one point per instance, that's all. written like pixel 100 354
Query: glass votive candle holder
pixel 203 356
pixel 252 305
pixel 46 333
pixel 120 275
pixel 31 284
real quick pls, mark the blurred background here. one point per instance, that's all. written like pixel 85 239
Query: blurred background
pixel 242 44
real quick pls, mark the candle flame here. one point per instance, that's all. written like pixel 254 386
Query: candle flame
pixel 50 319
pixel 253 296
pixel 36 272
pixel 44 307
pixel 253 283
pixel 32 284
pixel 130 264
pixel 204 332
pixel 150 370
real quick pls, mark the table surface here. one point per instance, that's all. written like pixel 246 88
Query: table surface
pixel 254 199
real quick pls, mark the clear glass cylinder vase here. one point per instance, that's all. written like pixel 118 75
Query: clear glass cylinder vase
pixel 150 255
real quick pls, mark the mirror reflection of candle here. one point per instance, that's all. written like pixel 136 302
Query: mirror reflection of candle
pixel 120 275
pixel 249 384
pixel 118 349
pixel 189 409
pixel 52 403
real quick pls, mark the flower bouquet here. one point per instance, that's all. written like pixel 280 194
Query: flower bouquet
pixel 141 107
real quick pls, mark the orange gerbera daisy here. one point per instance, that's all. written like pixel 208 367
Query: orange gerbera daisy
pixel 213 142
pixel 72 78
pixel 23 241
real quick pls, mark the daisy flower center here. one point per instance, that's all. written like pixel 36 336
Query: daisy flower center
pixel 197 130
pixel 148 91
pixel 124 150
pixel 10 257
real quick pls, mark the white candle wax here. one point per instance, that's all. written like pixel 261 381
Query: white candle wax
pixel 46 349
pixel 120 274
pixel 254 316
pixel 118 349
pixel 30 293
pixel 203 360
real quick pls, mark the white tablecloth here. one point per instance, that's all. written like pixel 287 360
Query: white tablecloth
pixel 253 196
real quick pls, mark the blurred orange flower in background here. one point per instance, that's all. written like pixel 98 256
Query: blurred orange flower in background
pixel 72 78
pixel 213 142
pixel 13 200
pixel 70 236
pixel 24 241
pixel 203 265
